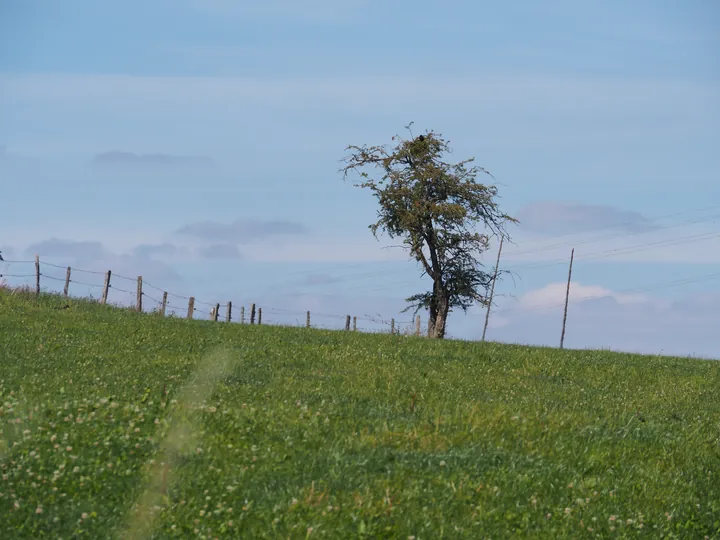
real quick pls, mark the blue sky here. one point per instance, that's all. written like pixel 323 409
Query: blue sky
pixel 599 120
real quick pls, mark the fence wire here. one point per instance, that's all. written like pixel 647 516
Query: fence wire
pixel 276 316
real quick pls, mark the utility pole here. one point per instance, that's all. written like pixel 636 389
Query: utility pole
pixel 492 287
pixel 567 297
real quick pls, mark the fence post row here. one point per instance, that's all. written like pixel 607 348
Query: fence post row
pixel 253 310
pixel 138 306
pixel 106 288
pixel 67 283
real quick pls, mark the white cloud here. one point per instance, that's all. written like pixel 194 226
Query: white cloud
pixel 551 296
pixel 602 318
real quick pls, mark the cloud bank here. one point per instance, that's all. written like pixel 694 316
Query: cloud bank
pixel 220 251
pixel 56 247
pixel 548 217
pixel 241 231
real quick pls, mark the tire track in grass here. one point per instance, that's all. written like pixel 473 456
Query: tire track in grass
pixel 180 441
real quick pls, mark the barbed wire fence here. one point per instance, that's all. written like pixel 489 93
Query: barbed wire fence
pixel 143 296
pixel 148 297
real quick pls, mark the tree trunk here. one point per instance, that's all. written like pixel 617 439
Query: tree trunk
pixel 439 309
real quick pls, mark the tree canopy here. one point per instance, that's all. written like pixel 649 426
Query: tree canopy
pixel 436 208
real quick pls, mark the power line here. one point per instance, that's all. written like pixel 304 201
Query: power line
pixel 625 250
pixel 611 236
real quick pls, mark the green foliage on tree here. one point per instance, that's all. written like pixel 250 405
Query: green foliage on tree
pixel 436 207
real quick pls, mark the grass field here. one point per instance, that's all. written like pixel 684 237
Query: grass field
pixel 116 424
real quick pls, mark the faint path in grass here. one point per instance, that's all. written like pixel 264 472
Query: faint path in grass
pixel 180 440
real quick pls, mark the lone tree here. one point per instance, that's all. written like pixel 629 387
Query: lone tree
pixel 435 207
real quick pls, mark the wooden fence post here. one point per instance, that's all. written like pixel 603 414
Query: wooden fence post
pixel 492 288
pixel 354 323
pixel 164 304
pixel 252 314
pixel 138 304
pixel 67 283
pixel 191 307
pixel 228 315
pixel 567 297
pixel 417 325
pixel 217 311
pixel 106 288
pixel 37 275
pixel 259 315
pixel 242 314
pixel 392 326
pixel 347 322
pixel 307 320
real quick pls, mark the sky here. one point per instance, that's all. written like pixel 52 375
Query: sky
pixel 198 143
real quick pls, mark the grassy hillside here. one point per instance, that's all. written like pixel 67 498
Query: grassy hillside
pixel 116 424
